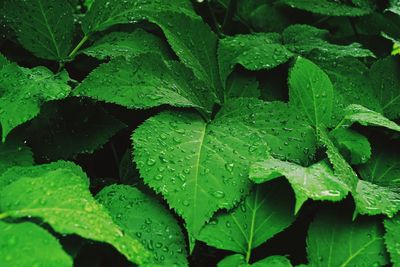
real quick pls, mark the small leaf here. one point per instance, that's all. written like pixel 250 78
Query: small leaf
pixel 385 78
pixel 156 228
pixel 252 51
pixel 44 27
pixel 356 113
pixel 58 193
pixel 217 154
pixel 392 240
pixel 128 45
pixel 353 145
pixel 23 92
pixel 239 261
pixel 329 8
pixel 144 82
pixel 26 244
pixel 258 218
pixel 335 240
pixel 316 182
pixel 311 92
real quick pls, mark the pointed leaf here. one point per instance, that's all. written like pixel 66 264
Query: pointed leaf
pixel 328 8
pixel 311 92
pixel 217 154
pixel 127 45
pixel 385 78
pixel 335 240
pixel 144 82
pixel 44 27
pixel 316 182
pixel 252 51
pixel 24 90
pixel 155 227
pixel 392 240
pixel 58 194
pixel 26 244
pixel 239 261
pixel 258 218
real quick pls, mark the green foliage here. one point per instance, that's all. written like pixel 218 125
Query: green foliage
pixel 200 133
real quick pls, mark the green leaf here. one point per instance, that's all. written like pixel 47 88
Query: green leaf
pixel 14 153
pixel 44 27
pixel 385 78
pixel 263 214
pixel 328 7
pixel 316 182
pixel 303 39
pixel 216 155
pixel 392 240
pixel 26 244
pixel 68 128
pixel 356 113
pixel 252 51
pixel 311 92
pixel 127 45
pixel 394 6
pixel 335 240
pixel 58 193
pixel 24 90
pixel 155 227
pixel 242 85
pixel 354 146
pixel 144 82
pixel 239 261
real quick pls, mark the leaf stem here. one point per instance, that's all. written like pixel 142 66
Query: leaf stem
pixel 230 12
pixel 213 18
pixel 75 50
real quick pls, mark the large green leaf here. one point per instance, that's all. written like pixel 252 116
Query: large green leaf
pixel 357 113
pixel 252 51
pixel 385 78
pixel 311 92
pixel 44 27
pixel 201 167
pixel 303 39
pixel 26 244
pixel 392 240
pixel 263 214
pixel 238 260
pixel 58 194
pixel 24 90
pixel 127 45
pixel 316 182
pixel 145 81
pixel 155 226
pixel 353 145
pixel 335 240
pixel 328 7
pixel 14 153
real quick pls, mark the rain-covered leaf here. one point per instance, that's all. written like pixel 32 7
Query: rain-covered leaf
pixel 145 81
pixel 258 218
pixel 329 7
pixel 58 193
pixel 154 227
pixel 317 182
pixel 335 240
pixel 127 45
pixel 303 39
pixel 44 27
pixel 65 129
pixel 392 241
pixel 24 90
pixel 252 51
pixel 385 78
pixel 239 260
pixel 201 167
pixel 352 145
pixel 26 244
pixel 311 92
